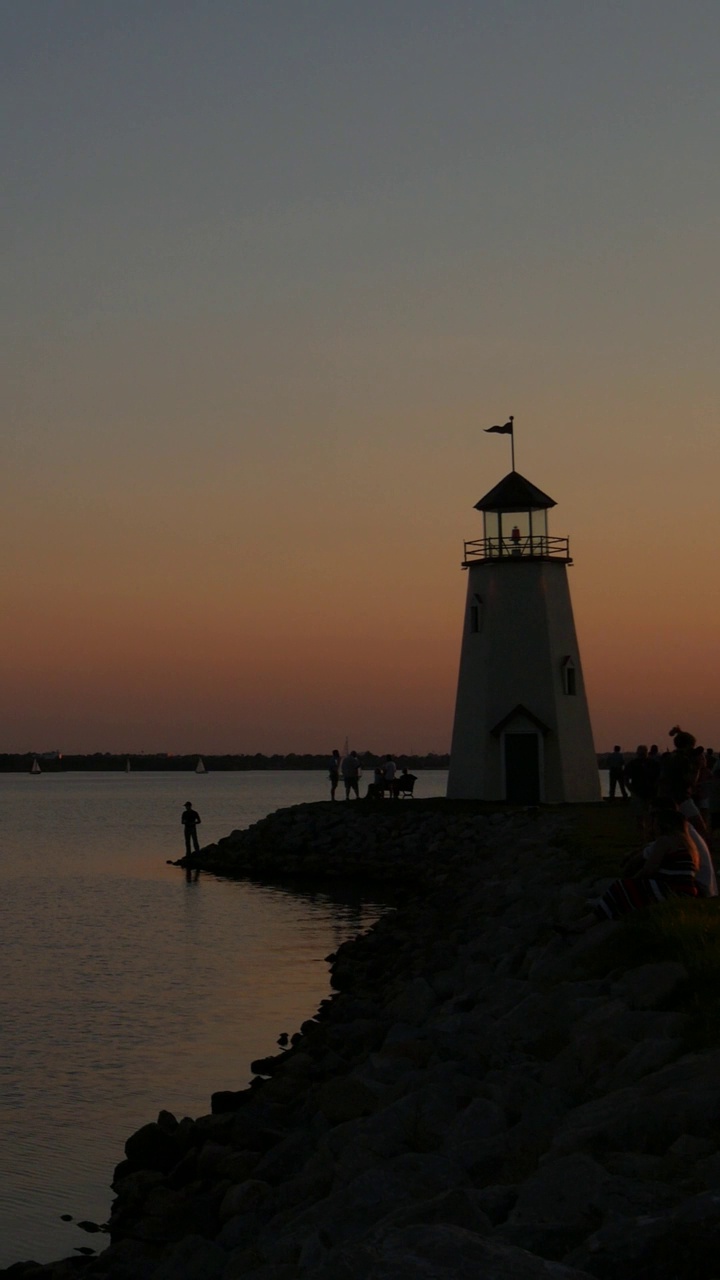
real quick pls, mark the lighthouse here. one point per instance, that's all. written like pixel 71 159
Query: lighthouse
pixel 522 729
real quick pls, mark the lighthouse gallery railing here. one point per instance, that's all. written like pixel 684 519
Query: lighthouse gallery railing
pixel 528 548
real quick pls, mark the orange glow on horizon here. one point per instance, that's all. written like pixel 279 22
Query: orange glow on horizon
pixel 258 311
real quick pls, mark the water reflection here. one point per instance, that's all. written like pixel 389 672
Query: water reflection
pixel 133 988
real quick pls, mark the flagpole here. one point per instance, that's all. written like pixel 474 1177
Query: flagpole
pixel 507 429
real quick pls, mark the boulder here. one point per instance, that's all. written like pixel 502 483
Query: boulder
pixel 243 1197
pixel 565 1191
pixel 344 1098
pixel 152 1147
pixel 652 985
pixel 440 1252
pixel 193 1258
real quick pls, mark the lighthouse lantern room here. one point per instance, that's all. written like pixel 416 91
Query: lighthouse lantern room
pixel 522 729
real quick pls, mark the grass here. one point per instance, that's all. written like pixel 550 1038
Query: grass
pixel 681 929
pixel 601 838
pixel 684 930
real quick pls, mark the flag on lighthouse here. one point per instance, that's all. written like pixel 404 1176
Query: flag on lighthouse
pixel 505 430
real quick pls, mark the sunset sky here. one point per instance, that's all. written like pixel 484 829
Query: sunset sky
pixel 270 266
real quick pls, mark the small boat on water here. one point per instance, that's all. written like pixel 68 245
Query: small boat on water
pixel 127 766
pixel 200 766
pixel 35 767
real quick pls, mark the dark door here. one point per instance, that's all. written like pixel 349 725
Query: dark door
pixel 522 768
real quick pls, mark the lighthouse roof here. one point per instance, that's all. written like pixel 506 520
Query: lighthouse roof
pixel 514 493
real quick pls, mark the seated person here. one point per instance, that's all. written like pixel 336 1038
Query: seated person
pixel 376 788
pixel 405 782
pixel 669 870
pixel 706 878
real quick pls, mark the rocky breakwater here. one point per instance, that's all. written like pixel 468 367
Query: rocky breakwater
pixel 398 843
pixel 470 1102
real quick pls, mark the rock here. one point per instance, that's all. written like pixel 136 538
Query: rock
pixel 471 1128
pixel 691 1149
pixel 269 1271
pixel 242 1198
pixel 210 1157
pixel 464 1103
pixel 458 1206
pixel 567 1191
pixel 152 1147
pixel 642 1060
pixel 344 1098
pixel 285 1159
pixel 194 1258
pixel 651 985
pixel 238 1166
pixel 228 1100
pixel 414 1003
pixel 442 1252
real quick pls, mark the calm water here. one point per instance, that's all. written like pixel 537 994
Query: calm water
pixel 124 988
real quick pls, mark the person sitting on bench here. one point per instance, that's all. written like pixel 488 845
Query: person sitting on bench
pixel 403 785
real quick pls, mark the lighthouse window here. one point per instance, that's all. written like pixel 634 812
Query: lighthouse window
pixel 476 614
pixel 569 676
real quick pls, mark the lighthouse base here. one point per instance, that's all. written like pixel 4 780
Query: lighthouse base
pixel 522 729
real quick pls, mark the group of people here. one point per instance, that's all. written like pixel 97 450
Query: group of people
pixel 676 796
pixel 386 780
pixel 689 775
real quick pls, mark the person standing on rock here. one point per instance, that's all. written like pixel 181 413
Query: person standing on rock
pixel 191 821
pixel 351 774
pixel 616 767
pixel 389 771
pixel 334 772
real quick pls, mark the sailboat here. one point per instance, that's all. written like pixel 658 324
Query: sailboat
pixel 200 766
pixel 35 768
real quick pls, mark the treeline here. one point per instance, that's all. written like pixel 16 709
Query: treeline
pixel 108 761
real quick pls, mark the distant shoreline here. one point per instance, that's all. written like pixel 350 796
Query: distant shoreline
pixel 140 762
pixel 106 762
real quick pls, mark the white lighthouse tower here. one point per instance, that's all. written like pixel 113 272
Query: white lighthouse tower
pixel 522 729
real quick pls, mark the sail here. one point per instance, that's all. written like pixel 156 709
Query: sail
pixel 127 766
pixel 35 767
pixel 200 766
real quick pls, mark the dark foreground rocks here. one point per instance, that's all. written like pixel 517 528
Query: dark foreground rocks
pixel 468 1104
pixel 393 843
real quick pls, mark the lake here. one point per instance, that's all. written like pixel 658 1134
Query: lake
pixel 125 989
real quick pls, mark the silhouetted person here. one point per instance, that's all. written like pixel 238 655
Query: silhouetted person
pixel 680 768
pixel 404 783
pixel 376 788
pixel 640 778
pixel 616 765
pixel 654 762
pixel 389 770
pixel 334 772
pixel 190 821
pixel 351 774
